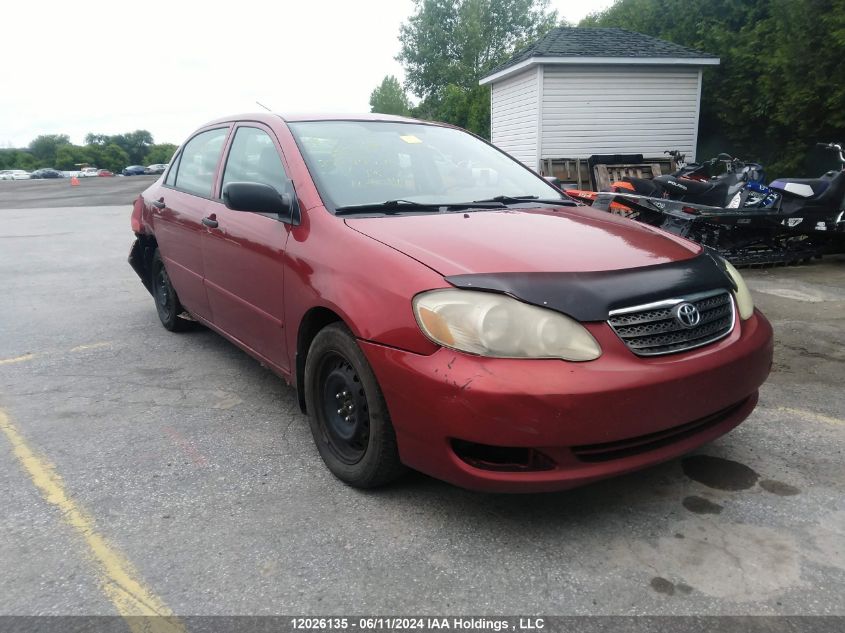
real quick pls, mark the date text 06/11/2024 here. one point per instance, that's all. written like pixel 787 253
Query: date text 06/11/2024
pixel 418 623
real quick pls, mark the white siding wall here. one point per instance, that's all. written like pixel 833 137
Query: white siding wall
pixel 618 110
pixel 514 116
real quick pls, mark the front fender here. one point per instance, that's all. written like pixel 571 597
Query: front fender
pixel 366 283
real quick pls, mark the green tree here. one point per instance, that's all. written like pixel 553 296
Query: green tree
pixel 448 45
pixel 16 159
pixel 96 139
pixel 161 153
pixel 468 108
pixel 781 84
pixel 24 160
pixel 44 147
pixel 456 41
pixel 111 157
pixel 70 157
pixel 136 144
pixel 390 98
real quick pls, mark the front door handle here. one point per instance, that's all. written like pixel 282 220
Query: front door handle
pixel 210 222
pixel 159 204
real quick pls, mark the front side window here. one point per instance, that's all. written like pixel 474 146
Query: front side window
pixel 198 161
pixel 254 158
pixel 370 162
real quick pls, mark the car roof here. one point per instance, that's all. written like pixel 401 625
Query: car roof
pixel 267 117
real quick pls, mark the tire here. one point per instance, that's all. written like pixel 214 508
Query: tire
pixel 167 301
pixel 339 385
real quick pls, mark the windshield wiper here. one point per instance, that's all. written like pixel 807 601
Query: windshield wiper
pixel 564 202
pixel 388 206
pixel 397 206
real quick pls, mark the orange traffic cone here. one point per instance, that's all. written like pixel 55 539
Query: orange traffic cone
pixel 74 181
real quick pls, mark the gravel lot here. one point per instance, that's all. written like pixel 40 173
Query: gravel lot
pixel 195 466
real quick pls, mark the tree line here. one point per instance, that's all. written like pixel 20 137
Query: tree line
pixel 112 152
pixel 780 87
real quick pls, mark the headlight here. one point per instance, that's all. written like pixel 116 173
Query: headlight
pixel 496 325
pixel 744 301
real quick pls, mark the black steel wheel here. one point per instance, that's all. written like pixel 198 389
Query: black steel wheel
pixel 348 416
pixel 167 301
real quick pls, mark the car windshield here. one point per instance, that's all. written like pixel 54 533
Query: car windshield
pixel 356 163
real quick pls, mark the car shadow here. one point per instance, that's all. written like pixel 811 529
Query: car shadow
pixel 653 490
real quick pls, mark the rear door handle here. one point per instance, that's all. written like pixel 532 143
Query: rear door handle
pixel 159 204
pixel 210 222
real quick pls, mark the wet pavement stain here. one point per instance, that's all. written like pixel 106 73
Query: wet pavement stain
pixel 719 473
pixel 700 505
pixel 667 587
pixel 661 585
pixel 779 488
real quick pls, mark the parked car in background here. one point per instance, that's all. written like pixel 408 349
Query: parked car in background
pixel 133 170
pixel 438 305
pixel 89 172
pixel 47 172
pixel 158 168
pixel 105 173
pixel 14 174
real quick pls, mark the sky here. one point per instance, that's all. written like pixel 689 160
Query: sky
pixel 168 67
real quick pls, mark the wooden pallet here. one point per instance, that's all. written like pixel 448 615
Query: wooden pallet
pixel 575 172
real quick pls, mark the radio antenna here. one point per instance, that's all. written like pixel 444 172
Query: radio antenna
pixel 263 106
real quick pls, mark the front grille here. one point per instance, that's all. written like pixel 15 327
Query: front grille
pixel 653 329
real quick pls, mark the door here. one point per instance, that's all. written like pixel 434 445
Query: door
pixel 178 214
pixel 244 254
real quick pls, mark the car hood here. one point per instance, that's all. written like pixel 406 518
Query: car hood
pixel 576 239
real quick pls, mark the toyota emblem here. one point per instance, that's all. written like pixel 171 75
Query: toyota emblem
pixel 687 315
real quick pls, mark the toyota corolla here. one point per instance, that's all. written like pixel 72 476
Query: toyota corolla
pixel 439 306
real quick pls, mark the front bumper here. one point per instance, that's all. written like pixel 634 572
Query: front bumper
pixel 588 420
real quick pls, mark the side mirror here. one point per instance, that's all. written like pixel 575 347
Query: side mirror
pixel 256 197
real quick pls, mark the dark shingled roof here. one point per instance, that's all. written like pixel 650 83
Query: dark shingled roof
pixel 567 41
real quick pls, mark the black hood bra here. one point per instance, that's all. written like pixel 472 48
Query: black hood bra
pixel 590 296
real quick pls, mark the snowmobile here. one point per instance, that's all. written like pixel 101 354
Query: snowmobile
pixel 739 184
pixel 791 220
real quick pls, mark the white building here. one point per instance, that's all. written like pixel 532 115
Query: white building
pixel 578 92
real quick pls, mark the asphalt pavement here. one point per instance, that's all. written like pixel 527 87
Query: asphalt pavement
pixel 176 468
pixel 59 192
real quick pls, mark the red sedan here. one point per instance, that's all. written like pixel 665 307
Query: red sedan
pixel 439 306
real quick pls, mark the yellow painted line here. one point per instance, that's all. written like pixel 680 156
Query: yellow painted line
pixel 82 348
pixel 78 348
pixel 17 359
pixel 118 579
pixel 811 415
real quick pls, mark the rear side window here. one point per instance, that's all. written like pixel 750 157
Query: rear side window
pixel 195 172
pixel 254 158
pixel 171 175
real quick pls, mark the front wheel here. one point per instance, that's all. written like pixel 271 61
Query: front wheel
pixel 167 301
pixel 347 413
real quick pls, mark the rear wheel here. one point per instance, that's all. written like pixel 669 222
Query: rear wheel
pixel 348 416
pixel 167 301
